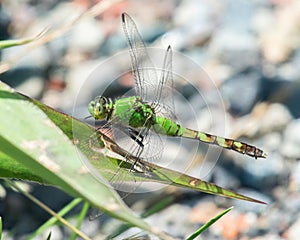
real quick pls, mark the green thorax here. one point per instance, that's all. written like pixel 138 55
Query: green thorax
pixel 133 112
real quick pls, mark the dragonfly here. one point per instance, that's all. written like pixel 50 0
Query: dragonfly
pixel 151 108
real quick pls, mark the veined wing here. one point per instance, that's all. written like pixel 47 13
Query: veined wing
pixel 142 66
pixel 148 86
pixel 163 100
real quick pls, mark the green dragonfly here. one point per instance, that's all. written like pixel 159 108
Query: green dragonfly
pixel 151 109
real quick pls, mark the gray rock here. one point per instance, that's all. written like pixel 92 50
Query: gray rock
pixel 32 87
pixel 225 178
pixel 291 140
pixel 239 50
pixel 87 35
pixel 294 230
pixel 276 118
pixel 195 27
pixel 243 90
pixel 28 79
pixel 166 221
pixel 264 173
pixel 234 42
pixel 295 177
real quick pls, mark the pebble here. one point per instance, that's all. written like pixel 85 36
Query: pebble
pixel 196 27
pixel 282 38
pixel 165 220
pixel 225 178
pixel 265 120
pixel 290 97
pixel 27 89
pixel 294 231
pixel 276 117
pixel 263 173
pixel 203 212
pixel 295 178
pixel 28 80
pixel 88 27
pixel 242 91
pixel 230 46
pixel 291 140
pixel 234 224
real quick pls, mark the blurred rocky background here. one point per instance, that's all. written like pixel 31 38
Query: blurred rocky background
pixel 241 80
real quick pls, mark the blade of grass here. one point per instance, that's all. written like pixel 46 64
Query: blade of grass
pixel 81 216
pixel 165 202
pixel 152 210
pixel 18 42
pixel 183 180
pixel 53 220
pixel 47 209
pixel 208 224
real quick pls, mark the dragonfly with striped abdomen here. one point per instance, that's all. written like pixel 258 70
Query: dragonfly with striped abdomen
pixel 151 109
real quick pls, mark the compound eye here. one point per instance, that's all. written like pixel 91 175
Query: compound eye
pixel 103 100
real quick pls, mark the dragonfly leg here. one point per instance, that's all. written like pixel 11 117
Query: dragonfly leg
pixel 136 136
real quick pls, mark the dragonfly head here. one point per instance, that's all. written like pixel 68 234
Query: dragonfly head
pixel 100 108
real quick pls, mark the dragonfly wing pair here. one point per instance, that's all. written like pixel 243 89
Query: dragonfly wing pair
pixel 151 88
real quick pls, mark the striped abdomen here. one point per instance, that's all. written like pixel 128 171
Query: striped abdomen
pixel 168 127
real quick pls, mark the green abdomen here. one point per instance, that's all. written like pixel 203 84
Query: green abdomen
pixel 167 127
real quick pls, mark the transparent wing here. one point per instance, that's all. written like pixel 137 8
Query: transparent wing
pixel 163 100
pixel 148 86
pixel 117 165
pixel 142 66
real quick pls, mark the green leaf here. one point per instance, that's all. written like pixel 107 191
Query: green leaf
pixel 208 224
pixel 80 219
pixel 33 144
pixel 179 179
pixel 53 220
